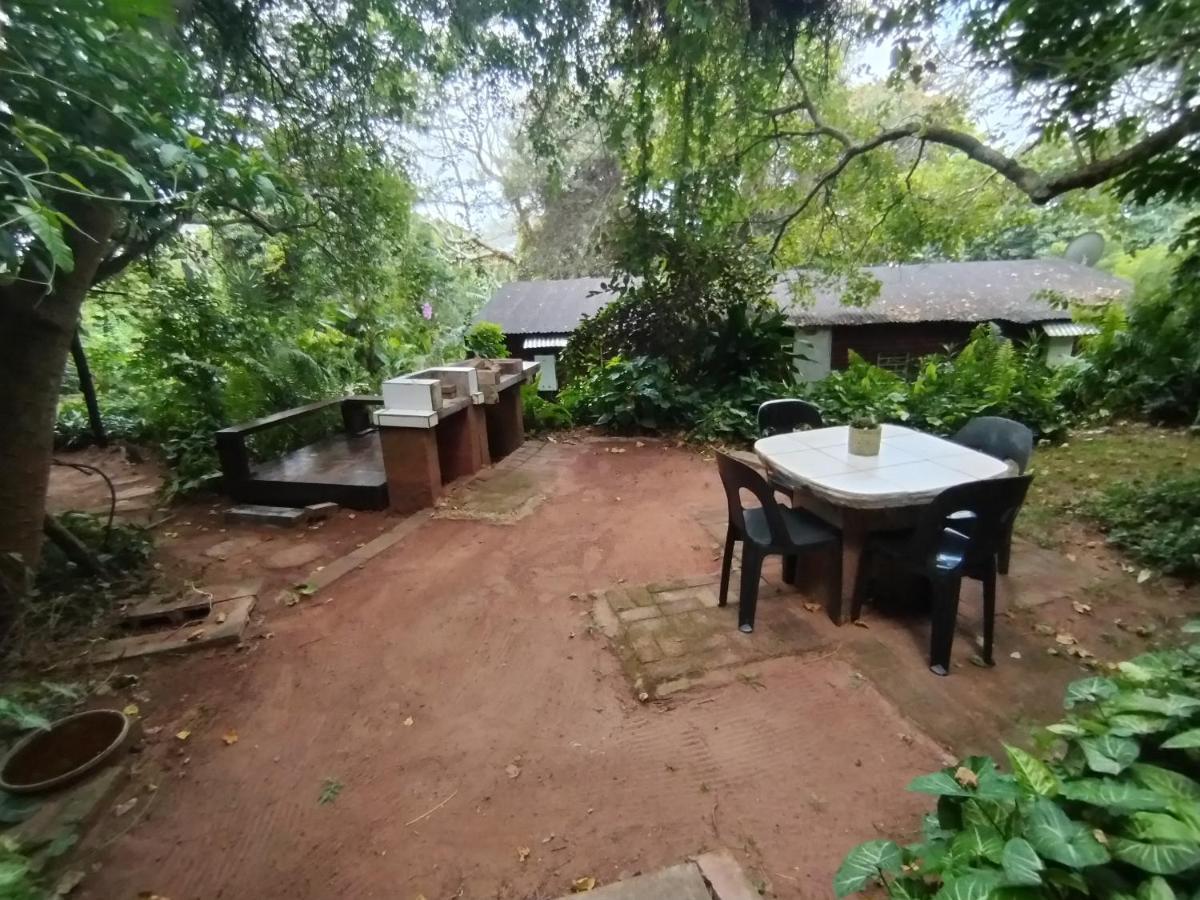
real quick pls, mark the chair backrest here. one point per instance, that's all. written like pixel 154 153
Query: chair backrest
pixel 967 523
pixel 737 476
pixel 999 437
pixel 780 416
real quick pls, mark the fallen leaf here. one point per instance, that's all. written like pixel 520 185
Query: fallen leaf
pixel 1082 608
pixel 1071 557
pixel 639 443
pixel 196 635
pixel 966 777
pixel 183 735
pixel 512 770
pixel 1016 654
pixel 221 618
pixel 523 853
pixel 1144 576
pixel 643 697
pixel 131 710
pixel 861 624
pixel 408 721
pixel 1064 638
pixel 813 607
pixel 230 738
pixel 122 808
pixel 68 882
pixel 1043 628
pixel 581 885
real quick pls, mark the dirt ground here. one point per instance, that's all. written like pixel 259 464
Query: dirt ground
pixel 472 736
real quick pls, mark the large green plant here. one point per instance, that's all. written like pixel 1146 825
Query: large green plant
pixel 1109 808
pixel 1157 523
pixel 697 301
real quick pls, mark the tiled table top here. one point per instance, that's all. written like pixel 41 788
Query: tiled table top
pixel 911 468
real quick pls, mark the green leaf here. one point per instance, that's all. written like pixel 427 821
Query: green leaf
pixel 979 841
pixel 1171 784
pixel 939 784
pixel 1160 859
pixel 47 228
pixel 1155 889
pixel 1192 627
pixel 1109 793
pixel 1021 863
pixel 1058 838
pixel 1183 741
pixel 1160 827
pixel 971 885
pixel 864 863
pixel 1108 753
pixel 1089 690
pixel 1125 724
pixel 1031 773
pixel 1171 705
pixel 171 155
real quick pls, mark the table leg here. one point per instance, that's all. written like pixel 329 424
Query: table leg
pixel 854 538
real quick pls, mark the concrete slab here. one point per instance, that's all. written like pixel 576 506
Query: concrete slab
pixel 175 610
pixel 223 625
pixel 682 882
pixel 257 514
pixel 725 877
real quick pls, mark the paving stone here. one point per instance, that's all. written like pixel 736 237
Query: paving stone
pixel 257 514
pixel 638 613
pixel 619 600
pixel 673 647
pixel 665 669
pixel 300 554
pixel 605 619
pixel 725 877
pixel 639 595
pixel 680 605
pixel 658 587
pixel 646 649
pixel 682 882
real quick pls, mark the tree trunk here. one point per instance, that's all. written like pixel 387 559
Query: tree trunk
pixel 87 387
pixel 35 337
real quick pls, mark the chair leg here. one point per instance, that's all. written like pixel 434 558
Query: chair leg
pixel 726 565
pixel 789 568
pixel 862 579
pixel 1005 553
pixel 945 615
pixel 751 571
pixel 989 611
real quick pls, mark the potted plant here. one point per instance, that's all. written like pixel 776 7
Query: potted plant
pixel 865 435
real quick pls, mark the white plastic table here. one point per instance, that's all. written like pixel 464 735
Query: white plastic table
pixel 861 494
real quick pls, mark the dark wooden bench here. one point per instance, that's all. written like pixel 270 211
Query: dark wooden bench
pixel 344 468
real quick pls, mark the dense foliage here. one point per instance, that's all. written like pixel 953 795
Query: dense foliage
pixel 697 301
pixel 486 339
pixel 1110 808
pixel 1146 359
pixel 1156 522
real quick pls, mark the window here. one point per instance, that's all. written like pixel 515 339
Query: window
pixel 901 364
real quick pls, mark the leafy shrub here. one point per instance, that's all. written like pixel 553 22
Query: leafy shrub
pixel 631 394
pixel 1109 808
pixel 1146 361
pixel 122 422
pixel 486 340
pixel 541 414
pixel 698 302
pixel 1157 523
pixel 988 377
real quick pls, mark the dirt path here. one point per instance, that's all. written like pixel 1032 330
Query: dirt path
pixel 469 629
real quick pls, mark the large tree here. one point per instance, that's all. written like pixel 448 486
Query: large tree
pixel 123 120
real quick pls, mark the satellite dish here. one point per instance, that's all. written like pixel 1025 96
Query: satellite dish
pixel 1086 249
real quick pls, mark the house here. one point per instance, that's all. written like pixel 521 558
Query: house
pixel 921 308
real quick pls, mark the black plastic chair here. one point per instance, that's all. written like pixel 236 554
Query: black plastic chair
pixel 1005 440
pixel 958 535
pixel 765 530
pixel 781 416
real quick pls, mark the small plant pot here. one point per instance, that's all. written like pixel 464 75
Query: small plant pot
pixel 865 441
pixel 65 752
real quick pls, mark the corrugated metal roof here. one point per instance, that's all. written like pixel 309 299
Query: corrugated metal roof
pixel 1068 329
pixel 1004 290
pixel 541 342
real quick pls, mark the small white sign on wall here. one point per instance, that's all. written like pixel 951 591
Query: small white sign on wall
pixel 549 377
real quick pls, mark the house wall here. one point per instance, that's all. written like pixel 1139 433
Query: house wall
pixel 814 349
pixel 888 344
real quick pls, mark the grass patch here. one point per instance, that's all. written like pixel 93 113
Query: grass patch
pixel 1072 475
